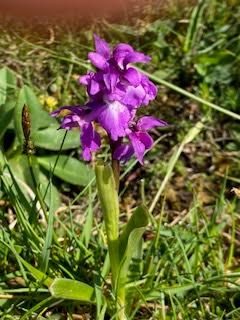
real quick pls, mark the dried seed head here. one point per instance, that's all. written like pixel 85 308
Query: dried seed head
pixel 26 122
pixel 28 147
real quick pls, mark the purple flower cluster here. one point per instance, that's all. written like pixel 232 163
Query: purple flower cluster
pixel 116 90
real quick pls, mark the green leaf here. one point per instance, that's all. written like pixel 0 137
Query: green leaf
pixel 20 167
pixel 72 290
pixel 6 111
pixel 51 198
pixel 39 118
pixel 87 228
pixel 217 58
pixel 51 138
pixel 130 241
pixel 7 84
pixel 132 246
pixel 138 219
pixel 7 98
pixel 68 169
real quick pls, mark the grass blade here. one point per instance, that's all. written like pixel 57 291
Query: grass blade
pixel 49 236
pixel 191 95
pixel 193 132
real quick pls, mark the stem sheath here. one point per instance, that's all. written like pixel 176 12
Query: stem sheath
pixel 107 185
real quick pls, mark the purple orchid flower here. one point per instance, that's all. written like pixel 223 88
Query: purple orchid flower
pixel 116 90
pixel 122 55
pixel 82 118
pixel 117 87
pixel 139 138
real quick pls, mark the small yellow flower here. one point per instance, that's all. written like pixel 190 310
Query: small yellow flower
pixel 51 102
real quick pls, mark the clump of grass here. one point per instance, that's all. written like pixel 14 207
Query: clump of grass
pixel 186 269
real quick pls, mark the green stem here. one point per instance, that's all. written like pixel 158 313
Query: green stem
pixel 109 202
pixel 116 172
pixel 108 195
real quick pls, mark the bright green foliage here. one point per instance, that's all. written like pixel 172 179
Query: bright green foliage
pixel 72 289
pixel 68 169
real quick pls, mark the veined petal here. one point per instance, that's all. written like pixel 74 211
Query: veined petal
pixel 102 47
pixel 146 139
pixel 111 78
pixel 97 60
pixel 148 122
pixel 114 118
pixel 132 76
pixel 138 146
pixel 141 141
pixel 134 96
pixel 117 94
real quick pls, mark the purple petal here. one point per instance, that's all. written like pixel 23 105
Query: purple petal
pixel 150 89
pixel 102 47
pixel 134 96
pixel 80 110
pixel 123 152
pixel 120 52
pixel 132 76
pixel 140 142
pixel 148 122
pixel 86 154
pixel 146 139
pixel 90 140
pixel 95 109
pixel 110 78
pixel 94 87
pixel 97 60
pixel 71 121
pixel 122 48
pixel 85 79
pixel 117 94
pixel 114 118
pixel 135 57
pixel 138 146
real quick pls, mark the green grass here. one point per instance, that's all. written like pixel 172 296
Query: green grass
pixel 51 222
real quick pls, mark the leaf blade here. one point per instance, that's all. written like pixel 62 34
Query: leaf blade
pixel 72 290
pixel 68 169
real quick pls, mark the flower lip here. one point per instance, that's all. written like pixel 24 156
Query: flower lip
pixel 139 139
